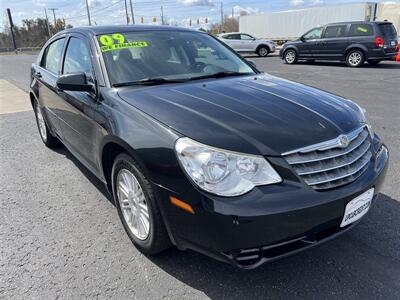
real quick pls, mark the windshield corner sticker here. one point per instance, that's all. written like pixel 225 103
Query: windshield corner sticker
pixel 117 42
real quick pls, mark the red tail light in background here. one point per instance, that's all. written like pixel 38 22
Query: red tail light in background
pixel 379 41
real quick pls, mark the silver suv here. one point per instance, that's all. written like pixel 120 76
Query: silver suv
pixel 243 42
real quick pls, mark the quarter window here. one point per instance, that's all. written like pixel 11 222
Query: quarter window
pixel 335 31
pixel 246 37
pixel 52 56
pixel 360 30
pixel 77 58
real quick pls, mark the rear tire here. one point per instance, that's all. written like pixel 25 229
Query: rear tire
pixel 45 134
pixel 355 58
pixel 374 61
pixel 137 206
pixel 263 51
pixel 290 56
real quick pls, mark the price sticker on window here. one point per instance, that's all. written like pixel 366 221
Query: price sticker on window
pixel 116 41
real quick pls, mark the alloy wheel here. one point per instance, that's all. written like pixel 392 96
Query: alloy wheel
pixel 290 57
pixel 133 204
pixel 41 123
pixel 263 51
pixel 355 59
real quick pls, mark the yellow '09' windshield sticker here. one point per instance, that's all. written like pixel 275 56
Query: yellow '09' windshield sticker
pixel 116 41
pixel 362 29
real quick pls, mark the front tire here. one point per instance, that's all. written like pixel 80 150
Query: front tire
pixel 355 58
pixel 263 51
pixel 290 56
pixel 137 206
pixel 48 139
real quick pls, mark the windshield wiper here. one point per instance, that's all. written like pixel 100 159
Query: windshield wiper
pixel 221 75
pixel 150 81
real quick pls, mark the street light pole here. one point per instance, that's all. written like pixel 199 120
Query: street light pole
pixel 126 12
pixel 88 13
pixel 133 16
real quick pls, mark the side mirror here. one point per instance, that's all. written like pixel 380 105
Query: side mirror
pixel 74 82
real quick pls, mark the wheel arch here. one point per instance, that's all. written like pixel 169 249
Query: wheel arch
pixel 356 47
pixel 111 147
pixel 263 45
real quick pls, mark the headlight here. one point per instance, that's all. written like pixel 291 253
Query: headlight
pixel 222 172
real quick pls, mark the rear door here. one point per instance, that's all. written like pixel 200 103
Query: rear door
pixel 47 73
pixel 334 42
pixel 248 43
pixel 389 35
pixel 233 40
pixel 362 33
pixel 77 116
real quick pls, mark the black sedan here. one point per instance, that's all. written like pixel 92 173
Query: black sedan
pixel 199 149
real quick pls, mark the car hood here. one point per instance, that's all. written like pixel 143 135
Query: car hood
pixel 259 114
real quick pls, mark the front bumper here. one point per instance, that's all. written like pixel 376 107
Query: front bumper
pixel 269 222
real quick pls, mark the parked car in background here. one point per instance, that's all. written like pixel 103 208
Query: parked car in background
pixel 243 42
pixel 353 42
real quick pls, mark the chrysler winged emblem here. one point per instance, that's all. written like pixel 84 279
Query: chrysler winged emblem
pixel 343 141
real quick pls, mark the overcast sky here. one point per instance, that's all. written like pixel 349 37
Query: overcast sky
pixel 177 12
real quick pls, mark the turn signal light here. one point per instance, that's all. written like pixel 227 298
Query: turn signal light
pixel 181 204
pixel 379 41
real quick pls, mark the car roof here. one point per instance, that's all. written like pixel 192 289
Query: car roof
pixel 359 22
pixel 96 30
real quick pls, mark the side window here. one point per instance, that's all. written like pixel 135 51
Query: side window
pixel 234 36
pixel 77 58
pixel 335 31
pixel 360 30
pixel 246 37
pixel 52 56
pixel 313 34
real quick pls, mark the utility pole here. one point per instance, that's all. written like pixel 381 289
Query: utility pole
pixel 126 12
pixel 88 13
pixel 222 17
pixel 162 15
pixel 54 16
pixel 47 22
pixel 233 20
pixel 133 16
pixel 12 29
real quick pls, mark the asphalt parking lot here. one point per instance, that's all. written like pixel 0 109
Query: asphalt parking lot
pixel 60 235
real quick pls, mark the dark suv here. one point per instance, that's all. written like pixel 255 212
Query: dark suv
pixel 353 42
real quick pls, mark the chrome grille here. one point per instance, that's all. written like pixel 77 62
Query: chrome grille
pixel 331 164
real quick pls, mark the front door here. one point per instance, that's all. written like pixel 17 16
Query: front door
pixel 76 119
pixel 310 42
pixel 47 73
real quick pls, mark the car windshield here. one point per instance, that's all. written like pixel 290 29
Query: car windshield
pixel 164 56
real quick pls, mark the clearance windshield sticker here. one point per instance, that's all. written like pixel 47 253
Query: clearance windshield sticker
pixel 362 29
pixel 116 41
